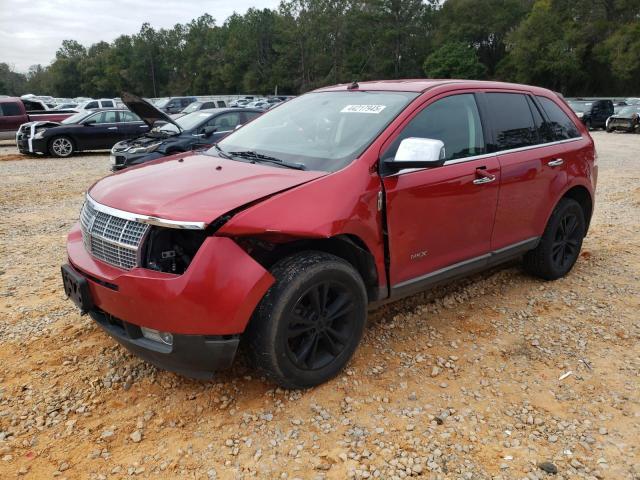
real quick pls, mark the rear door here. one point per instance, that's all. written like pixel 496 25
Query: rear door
pixel 440 218
pixel 532 164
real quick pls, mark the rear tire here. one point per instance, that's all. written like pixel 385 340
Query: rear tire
pixel 61 147
pixel 560 245
pixel 309 323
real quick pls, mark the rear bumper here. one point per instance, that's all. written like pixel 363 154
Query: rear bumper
pixel 196 356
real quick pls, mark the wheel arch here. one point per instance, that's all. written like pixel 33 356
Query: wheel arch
pixel 348 247
pixel 71 138
pixel 582 195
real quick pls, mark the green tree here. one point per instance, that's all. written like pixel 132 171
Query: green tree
pixel 454 60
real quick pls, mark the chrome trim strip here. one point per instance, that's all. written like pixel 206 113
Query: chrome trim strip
pixel 138 217
pixel 489 155
pixel 498 255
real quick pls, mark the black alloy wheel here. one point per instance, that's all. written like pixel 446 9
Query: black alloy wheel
pixel 320 325
pixel 568 239
pixel 560 245
pixel 308 324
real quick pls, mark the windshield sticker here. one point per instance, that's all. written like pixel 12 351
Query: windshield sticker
pixel 363 109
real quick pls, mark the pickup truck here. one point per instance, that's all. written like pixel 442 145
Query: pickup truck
pixel 13 113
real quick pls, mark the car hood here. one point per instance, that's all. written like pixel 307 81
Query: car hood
pixel 147 112
pixel 197 188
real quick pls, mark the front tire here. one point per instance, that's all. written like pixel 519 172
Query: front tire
pixel 61 147
pixel 560 245
pixel 309 323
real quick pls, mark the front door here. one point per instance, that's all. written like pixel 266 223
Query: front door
pixel 100 133
pixel 440 220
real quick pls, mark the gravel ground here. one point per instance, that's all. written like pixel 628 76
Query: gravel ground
pixel 490 377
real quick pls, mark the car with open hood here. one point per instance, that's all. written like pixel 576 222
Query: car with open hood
pixel 626 120
pixel 86 130
pixel 285 232
pixel 168 136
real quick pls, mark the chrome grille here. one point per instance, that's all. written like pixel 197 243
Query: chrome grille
pixel 112 239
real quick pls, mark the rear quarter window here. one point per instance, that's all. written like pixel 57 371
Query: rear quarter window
pixel 561 125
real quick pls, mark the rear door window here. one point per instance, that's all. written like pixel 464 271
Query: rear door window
pixel 454 120
pixel 512 121
pixel 107 104
pixel 561 126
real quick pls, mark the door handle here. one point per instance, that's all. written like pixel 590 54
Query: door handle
pixel 485 177
pixel 112 128
pixel 555 163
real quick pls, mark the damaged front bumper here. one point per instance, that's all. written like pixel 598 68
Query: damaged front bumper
pixel 205 309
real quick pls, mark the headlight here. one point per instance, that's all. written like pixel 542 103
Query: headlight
pixel 146 148
pixel 39 134
pixel 580 114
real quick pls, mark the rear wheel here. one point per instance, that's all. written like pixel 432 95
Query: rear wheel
pixel 61 147
pixel 310 322
pixel 560 244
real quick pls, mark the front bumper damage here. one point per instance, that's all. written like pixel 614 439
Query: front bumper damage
pixel 205 309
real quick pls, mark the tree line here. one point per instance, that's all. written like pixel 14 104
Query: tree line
pixel 577 47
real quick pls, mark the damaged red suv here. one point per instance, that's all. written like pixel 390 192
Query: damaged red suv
pixel 288 230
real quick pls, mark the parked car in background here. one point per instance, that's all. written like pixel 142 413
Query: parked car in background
pixel 96 104
pixel 261 104
pixel 593 113
pixel 197 106
pixel 286 230
pixel 65 106
pixel 35 104
pixel 13 113
pixel 196 130
pixel 86 130
pixel 175 104
pixel 626 120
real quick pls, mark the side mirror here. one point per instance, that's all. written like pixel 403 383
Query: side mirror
pixel 418 153
pixel 88 123
pixel 209 130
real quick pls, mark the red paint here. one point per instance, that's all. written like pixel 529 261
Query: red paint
pixel 438 211
pixel 218 293
pixel 9 124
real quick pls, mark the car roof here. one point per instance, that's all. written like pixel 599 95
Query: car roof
pixel 420 85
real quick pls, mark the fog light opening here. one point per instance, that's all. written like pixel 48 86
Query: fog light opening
pixel 157 336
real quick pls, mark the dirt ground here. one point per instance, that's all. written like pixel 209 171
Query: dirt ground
pixel 485 378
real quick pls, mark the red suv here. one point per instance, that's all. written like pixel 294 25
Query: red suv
pixel 285 232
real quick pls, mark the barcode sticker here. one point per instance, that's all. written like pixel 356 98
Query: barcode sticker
pixel 363 109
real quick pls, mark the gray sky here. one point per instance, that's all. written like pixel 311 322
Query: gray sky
pixel 32 30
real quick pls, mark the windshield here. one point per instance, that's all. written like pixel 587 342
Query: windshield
pixel 580 106
pixel 188 122
pixel 161 103
pixel 323 131
pixel 77 117
pixel 628 111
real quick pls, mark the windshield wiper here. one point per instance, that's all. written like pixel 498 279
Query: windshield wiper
pixel 221 152
pixel 250 154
